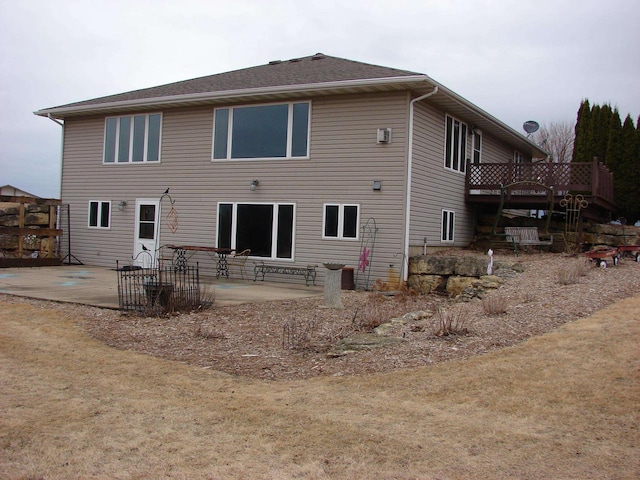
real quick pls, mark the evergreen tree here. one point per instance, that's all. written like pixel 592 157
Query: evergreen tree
pixel 614 154
pixel 626 176
pixel 581 148
pixel 600 133
pixel 628 200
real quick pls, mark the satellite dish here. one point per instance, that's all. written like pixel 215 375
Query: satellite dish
pixel 530 126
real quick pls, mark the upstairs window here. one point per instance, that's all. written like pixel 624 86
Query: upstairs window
pixel 341 221
pixel 455 145
pixel 99 214
pixel 477 147
pixel 132 139
pixel 262 131
pixel 518 157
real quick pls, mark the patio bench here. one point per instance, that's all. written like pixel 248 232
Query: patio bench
pixel 308 272
pixel 526 236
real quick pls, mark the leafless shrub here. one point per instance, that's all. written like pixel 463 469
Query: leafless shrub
pixel 528 297
pixel 372 315
pixel 572 273
pixel 451 322
pixel 298 334
pixel 494 305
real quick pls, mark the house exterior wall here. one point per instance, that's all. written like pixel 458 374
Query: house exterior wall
pixel 344 161
pixel 435 187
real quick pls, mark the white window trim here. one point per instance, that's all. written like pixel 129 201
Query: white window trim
pixel 462 163
pixel 289 133
pixel 341 207
pixel 146 140
pixel 445 238
pixel 98 226
pixel 274 232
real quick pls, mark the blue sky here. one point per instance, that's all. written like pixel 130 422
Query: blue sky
pixel 518 60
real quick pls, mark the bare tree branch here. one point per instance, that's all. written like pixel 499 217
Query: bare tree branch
pixel 556 138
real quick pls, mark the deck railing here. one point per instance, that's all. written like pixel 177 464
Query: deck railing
pixel 593 179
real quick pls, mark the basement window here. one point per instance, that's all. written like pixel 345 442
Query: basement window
pixel 99 214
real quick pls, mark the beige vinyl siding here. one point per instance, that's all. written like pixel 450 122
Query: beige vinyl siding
pixel 495 151
pixel 344 161
pixel 435 187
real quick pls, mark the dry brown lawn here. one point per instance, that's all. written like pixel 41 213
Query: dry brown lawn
pixel 560 406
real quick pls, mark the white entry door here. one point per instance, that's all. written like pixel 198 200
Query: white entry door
pixel 147 230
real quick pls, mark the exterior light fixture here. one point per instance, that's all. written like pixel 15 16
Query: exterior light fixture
pixel 122 204
pixel 254 185
pixel 377 185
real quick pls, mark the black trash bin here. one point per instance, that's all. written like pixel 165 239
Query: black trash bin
pixel 347 278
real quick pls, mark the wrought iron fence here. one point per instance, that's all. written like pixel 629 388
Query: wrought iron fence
pixel 158 290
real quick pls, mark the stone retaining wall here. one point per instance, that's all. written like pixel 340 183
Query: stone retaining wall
pixel 464 276
pixel 27 229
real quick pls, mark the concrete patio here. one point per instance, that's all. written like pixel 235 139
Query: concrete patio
pixel 98 286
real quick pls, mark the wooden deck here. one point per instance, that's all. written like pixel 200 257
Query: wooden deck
pixel 535 185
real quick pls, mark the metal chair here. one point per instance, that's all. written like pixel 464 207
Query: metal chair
pixel 239 259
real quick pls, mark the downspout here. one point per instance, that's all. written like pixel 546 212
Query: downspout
pixel 50 117
pixel 409 174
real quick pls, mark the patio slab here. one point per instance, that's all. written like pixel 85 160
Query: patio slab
pixel 98 286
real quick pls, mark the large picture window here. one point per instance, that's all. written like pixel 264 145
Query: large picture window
pixel 132 139
pixel 266 229
pixel 99 214
pixel 261 131
pixel 340 221
pixel 455 145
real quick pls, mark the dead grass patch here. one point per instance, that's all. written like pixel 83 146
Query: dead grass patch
pixel 74 408
pixel 571 273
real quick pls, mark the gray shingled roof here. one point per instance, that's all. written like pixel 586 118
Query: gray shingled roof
pixel 318 68
pixel 318 74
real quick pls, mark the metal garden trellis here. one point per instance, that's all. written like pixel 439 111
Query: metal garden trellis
pixel 367 244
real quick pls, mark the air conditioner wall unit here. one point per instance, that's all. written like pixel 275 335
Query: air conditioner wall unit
pixel 384 135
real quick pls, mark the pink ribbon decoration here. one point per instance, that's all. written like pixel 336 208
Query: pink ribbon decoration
pixel 364 259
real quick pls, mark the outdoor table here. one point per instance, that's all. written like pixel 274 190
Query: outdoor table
pixel 185 252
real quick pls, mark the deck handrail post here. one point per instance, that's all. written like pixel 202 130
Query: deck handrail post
pixel 594 176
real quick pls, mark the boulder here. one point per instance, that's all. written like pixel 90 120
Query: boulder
pixel 489 282
pixel 471 266
pixel 363 341
pixel 9 208
pixel 456 284
pixel 426 283
pixel 428 265
pixel 36 219
pixel 607 228
pixel 9 221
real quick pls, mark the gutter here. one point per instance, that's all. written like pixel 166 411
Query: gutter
pixel 50 117
pixel 167 100
pixel 405 274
